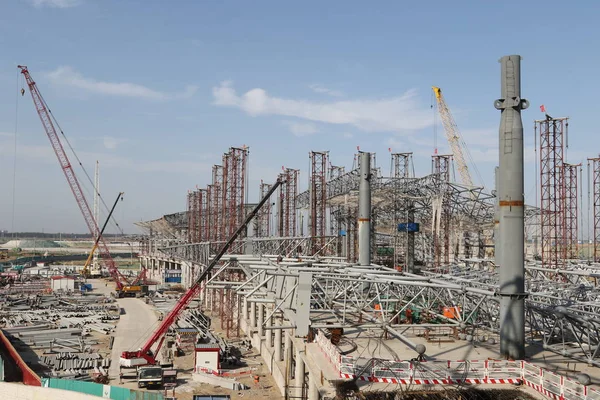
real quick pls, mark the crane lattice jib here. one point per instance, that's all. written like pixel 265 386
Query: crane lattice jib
pixel 65 164
pixel 453 135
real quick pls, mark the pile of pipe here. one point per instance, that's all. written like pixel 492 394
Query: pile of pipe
pixel 76 363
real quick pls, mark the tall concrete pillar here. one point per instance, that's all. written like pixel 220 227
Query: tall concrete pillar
pixel 299 374
pixel 277 345
pixel 261 320
pixel 252 314
pixel 244 309
pixel 269 332
pixel 364 210
pixel 511 211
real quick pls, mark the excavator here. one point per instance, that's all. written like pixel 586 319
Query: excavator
pixel 147 356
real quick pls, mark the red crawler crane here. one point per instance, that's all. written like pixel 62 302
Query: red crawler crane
pixel 44 113
pixel 145 355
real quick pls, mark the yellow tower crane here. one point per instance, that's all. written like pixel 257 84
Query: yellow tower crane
pixel 457 144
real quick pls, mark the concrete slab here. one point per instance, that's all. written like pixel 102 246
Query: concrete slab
pixel 135 327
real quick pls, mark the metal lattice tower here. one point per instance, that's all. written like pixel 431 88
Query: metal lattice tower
pixel 234 173
pixel 401 169
pixel 191 215
pixel 441 165
pixel 288 191
pixel 401 163
pixel 571 192
pixel 551 132
pixel 263 219
pixel 335 226
pixel 596 204
pixel 216 203
pixel 203 225
pixel 318 190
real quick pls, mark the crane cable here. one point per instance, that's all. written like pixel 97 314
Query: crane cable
pixel 14 183
pixel 79 162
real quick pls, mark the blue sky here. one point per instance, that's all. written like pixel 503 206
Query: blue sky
pixel 158 90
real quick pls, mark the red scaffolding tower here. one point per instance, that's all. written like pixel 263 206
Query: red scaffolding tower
pixel 234 193
pixel 318 199
pixel 216 204
pixel 203 226
pixel 288 191
pixel 551 131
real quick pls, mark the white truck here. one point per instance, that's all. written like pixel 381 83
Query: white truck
pixel 150 376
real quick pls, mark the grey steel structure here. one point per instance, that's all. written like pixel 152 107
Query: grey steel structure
pixel 511 211
pixel 364 211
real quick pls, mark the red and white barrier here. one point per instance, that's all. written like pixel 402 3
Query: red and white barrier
pixel 546 382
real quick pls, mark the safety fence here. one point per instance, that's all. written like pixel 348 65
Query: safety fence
pixel 99 390
pixel 415 372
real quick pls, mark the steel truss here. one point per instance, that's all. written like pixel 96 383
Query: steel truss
pixel 563 317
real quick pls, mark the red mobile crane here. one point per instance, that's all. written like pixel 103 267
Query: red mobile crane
pixel 145 355
pixel 44 114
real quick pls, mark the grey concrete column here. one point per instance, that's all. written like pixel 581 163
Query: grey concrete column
pixel 244 309
pixel 299 374
pixel 261 320
pixel 511 206
pixel 313 388
pixel 277 341
pixel 252 314
pixel 364 210
pixel 269 332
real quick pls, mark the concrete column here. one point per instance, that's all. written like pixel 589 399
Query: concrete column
pixel 261 320
pixel 299 374
pixel 244 309
pixel 277 341
pixel 313 387
pixel 511 206
pixel 269 332
pixel 364 210
pixel 252 314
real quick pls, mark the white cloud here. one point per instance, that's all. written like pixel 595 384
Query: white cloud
pixel 322 89
pixel 394 114
pixel 69 77
pixel 55 3
pixel 112 142
pixel 348 135
pixel 300 128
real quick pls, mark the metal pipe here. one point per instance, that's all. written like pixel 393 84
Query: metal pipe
pixel 511 211
pixel 364 211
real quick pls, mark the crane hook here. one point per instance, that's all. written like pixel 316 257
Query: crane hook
pixel 22 92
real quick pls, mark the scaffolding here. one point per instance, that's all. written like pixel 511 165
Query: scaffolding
pixel 216 204
pixel 441 167
pixel 234 193
pixel 595 163
pixel 203 225
pixel 318 204
pixel 571 192
pixel 552 132
pixel 263 219
pixel 288 194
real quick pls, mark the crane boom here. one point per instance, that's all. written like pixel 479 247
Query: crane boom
pixel 454 138
pixel 89 259
pixel 44 114
pixel 144 355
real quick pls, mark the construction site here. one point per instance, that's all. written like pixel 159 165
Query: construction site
pixel 373 283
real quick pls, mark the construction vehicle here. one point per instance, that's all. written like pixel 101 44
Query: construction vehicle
pixel 150 376
pixel 457 144
pixel 146 355
pixel 85 270
pixel 46 119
